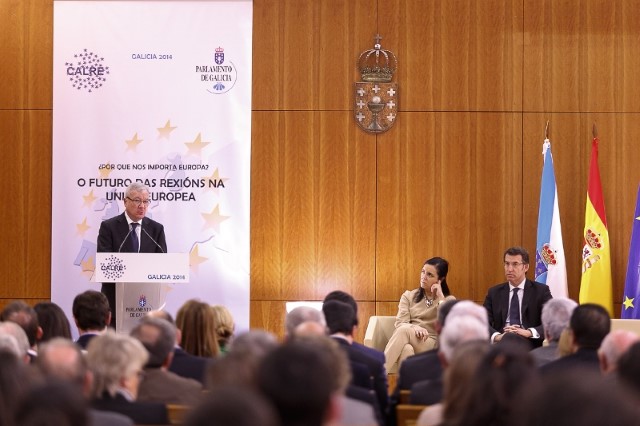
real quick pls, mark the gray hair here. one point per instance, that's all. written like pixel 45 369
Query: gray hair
pixel 468 308
pixel 8 343
pixel 136 187
pixel 112 357
pixel 63 359
pixel 158 337
pixel 12 329
pixel 255 342
pixel 459 329
pixel 615 344
pixel 556 314
pixel 302 314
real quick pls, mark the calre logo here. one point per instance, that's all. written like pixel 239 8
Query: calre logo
pixel 87 71
pixel 113 268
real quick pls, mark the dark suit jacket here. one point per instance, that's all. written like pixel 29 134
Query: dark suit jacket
pixel 186 365
pixel 535 296
pixel 142 413
pixel 376 369
pixel 112 234
pixel 583 358
pixel 374 353
pixel 83 341
pixel 426 392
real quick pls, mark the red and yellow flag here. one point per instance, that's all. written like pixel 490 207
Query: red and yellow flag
pixel 596 285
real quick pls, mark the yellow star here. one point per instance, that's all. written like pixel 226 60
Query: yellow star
pixel 88 266
pixel 638 218
pixel 89 199
pixel 82 227
pixel 215 179
pixel 133 143
pixel 165 131
pixel 628 303
pixel 213 219
pixel 104 173
pixel 196 146
pixel 195 259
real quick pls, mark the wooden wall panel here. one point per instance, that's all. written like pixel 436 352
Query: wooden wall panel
pixel 313 198
pixel 457 55
pixel 26 196
pixel 26 37
pixel 450 185
pixel 581 55
pixel 305 52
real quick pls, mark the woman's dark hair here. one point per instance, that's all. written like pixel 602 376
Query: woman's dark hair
pixel 53 321
pixel 442 268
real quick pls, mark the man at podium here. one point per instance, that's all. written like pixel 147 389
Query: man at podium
pixel 130 232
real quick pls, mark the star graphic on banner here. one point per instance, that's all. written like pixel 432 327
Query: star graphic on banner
pixel 89 199
pixel 82 227
pixel 628 303
pixel 638 218
pixel 164 132
pixel 214 219
pixel 195 259
pixel 133 143
pixel 104 173
pixel 88 265
pixel 196 146
pixel 215 177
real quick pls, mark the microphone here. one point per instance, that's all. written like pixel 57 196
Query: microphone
pixel 154 241
pixel 125 239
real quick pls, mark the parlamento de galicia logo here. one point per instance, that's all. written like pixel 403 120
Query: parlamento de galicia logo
pixel 87 71
pixel 220 76
pixel 113 268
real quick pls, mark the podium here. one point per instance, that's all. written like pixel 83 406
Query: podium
pixel 142 281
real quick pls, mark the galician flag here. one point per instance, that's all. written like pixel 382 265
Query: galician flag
pixel 551 268
pixel 596 285
pixel 631 298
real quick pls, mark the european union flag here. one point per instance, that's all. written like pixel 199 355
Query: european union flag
pixel 631 299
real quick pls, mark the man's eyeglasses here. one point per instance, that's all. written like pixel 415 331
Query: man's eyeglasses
pixel 512 264
pixel 138 202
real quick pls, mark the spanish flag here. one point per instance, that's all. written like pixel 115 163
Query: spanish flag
pixel 596 286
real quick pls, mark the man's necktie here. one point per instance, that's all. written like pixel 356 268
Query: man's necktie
pixel 514 309
pixel 135 243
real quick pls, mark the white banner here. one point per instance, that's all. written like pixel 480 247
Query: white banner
pixel 160 92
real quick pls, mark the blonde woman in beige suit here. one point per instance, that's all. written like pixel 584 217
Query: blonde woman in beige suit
pixel 417 312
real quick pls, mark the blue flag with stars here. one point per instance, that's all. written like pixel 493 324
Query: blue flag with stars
pixel 631 298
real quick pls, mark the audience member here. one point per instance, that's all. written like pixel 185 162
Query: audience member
pixel 504 302
pixel 457 379
pixel 493 390
pixel 13 384
pixel 345 297
pixel 629 369
pixel 91 314
pixel 8 328
pixel 415 330
pixel 25 316
pixel 198 325
pixel 573 397
pixel 184 364
pixel 61 359
pixel 340 319
pixel 459 329
pixel 117 362
pixel 556 314
pixel 613 346
pixel 589 325
pixel 299 383
pixel 53 402
pixel 158 336
pixel 299 315
pixel 233 406
pixel 53 321
pixel 225 326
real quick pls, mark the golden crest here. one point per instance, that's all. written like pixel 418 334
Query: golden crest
pixel 375 105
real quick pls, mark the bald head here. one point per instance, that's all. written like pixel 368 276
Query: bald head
pixel 310 328
pixel 614 345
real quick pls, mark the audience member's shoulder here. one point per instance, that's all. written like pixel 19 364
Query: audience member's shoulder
pixel 108 418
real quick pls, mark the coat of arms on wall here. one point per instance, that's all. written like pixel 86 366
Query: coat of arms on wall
pixel 376 97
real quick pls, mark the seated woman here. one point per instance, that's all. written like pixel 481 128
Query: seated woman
pixel 417 313
pixel 225 327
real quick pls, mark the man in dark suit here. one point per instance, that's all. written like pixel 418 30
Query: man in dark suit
pixel 516 306
pixel 130 232
pixel 589 325
pixel 91 314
